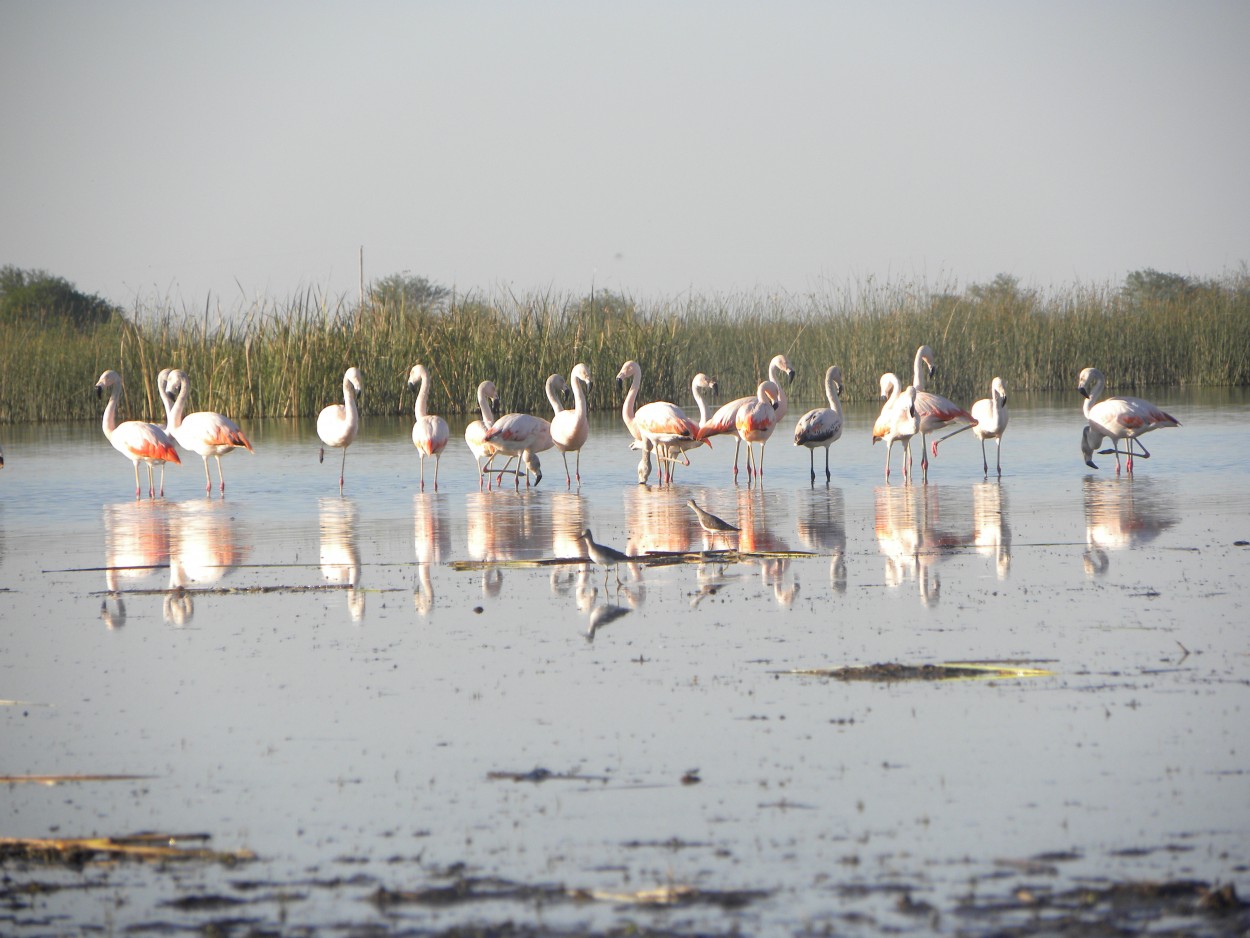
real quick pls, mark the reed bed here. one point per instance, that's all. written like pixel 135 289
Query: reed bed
pixel 287 358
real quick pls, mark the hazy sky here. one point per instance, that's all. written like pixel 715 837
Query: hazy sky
pixel 243 149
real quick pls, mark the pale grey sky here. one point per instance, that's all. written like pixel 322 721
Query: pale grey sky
pixel 243 149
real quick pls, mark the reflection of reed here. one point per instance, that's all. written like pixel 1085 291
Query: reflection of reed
pixel 822 527
pixel 1121 514
pixel 991 530
pixel 340 558
pixel 910 539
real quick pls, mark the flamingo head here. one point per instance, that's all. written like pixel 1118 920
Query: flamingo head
pixel 925 354
pixel 1090 441
pixel 783 366
pixel 629 372
pixel 416 376
pixel 999 390
pixel 889 385
pixel 834 375
pixel 581 373
pixel 109 380
pixel 353 377
pixel 703 383
pixel 1090 384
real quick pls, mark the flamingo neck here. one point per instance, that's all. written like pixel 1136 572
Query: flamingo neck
pixel 423 397
pixel 553 398
pixel 627 408
pixel 110 411
pixel 488 415
pixel 349 401
pixel 831 392
pixel 175 410
pixel 580 405
pixel 774 375
pixel 918 371
pixel 702 402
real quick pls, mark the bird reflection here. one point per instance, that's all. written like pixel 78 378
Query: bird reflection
pixel 136 550
pixel 431 544
pixel 203 549
pixel 568 521
pixel 504 526
pixel 822 527
pixel 910 539
pixel 757 537
pixel 340 558
pixel 1120 514
pixel 658 520
pixel 991 531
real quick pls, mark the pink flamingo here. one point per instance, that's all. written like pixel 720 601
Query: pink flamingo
pixel 571 428
pixel 756 423
pixel 822 426
pixel 933 412
pixel 659 423
pixel 134 439
pixel 1120 418
pixel 429 431
pixel 522 435
pixel 700 386
pixel 990 414
pixel 725 420
pixel 204 432
pixel 897 421
pixel 338 424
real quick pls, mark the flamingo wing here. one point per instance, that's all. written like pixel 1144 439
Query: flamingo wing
pixel 725 420
pixel 663 422
pixel 817 427
pixel 209 433
pixel 144 441
pixel 934 412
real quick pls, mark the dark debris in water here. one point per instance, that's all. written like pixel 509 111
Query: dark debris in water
pixel 539 774
pixel 947 671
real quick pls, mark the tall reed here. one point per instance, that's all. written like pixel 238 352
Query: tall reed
pixel 287 358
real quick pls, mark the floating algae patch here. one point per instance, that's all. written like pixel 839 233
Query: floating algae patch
pixel 946 671
pixel 77 851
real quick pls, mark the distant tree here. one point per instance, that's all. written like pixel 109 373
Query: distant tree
pixel 37 294
pixel 1152 285
pixel 1004 289
pixel 407 291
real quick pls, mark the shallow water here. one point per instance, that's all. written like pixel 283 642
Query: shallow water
pixel 348 736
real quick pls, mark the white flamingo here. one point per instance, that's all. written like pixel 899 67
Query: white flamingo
pixel 134 439
pixel 822 426
pixel 204 432
pixel 897 421
pixel 571 428
pixel 338 424
pixel 475 432
pixel 990 414
pixel 429 431
pixel 660 423
pixel 933 412
pixel 524 436
pixel 1120 418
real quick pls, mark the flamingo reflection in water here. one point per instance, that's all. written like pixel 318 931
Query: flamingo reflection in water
pixel 658 521
pixel 910 539
pixel 204 548
pixel 822 528
pixel 431 545
pixel 758 537
pixel 991 530
pixel 340 557
pixel 136 551
pixel 1122 514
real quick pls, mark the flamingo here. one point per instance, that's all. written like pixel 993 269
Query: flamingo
pixel 897 421
pixel 756 423
pixel 522 435
pixel 725 419
pixel 660 423
pixel 571 428
pixel 1120 418
pixel 700 386
pixel 134 439
pixel 990 414
pixel 204 432
pixel 429 431
pixel 933 412
pixel 822 426
pixel 475 432
pixel 338 424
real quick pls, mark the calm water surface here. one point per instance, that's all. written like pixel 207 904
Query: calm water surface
pixel 349 735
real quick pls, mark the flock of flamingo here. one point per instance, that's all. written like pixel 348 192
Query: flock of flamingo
pixel 660 430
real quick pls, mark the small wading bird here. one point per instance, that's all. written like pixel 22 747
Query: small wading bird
pixel 571 428
pixel 756 422
pixel 338 424
pixel 660 423
pixel 1120 418
pixel 897 421
pixel 138 441
pixel 604 555
pixel 204 432
pixel 429 431
pixel 725 420
pixel 990 414
pixel 933 412
pixel 710 522
pixel 822 426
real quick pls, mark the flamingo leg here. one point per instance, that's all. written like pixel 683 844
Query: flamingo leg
pixel 342 469
pixel 985 463
pixel 998 457
pixel 812 462
pixel 568 479
pixel 437 458
pixel 828 474
pixel 208 480
pixel 578 470
pixel 137 491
